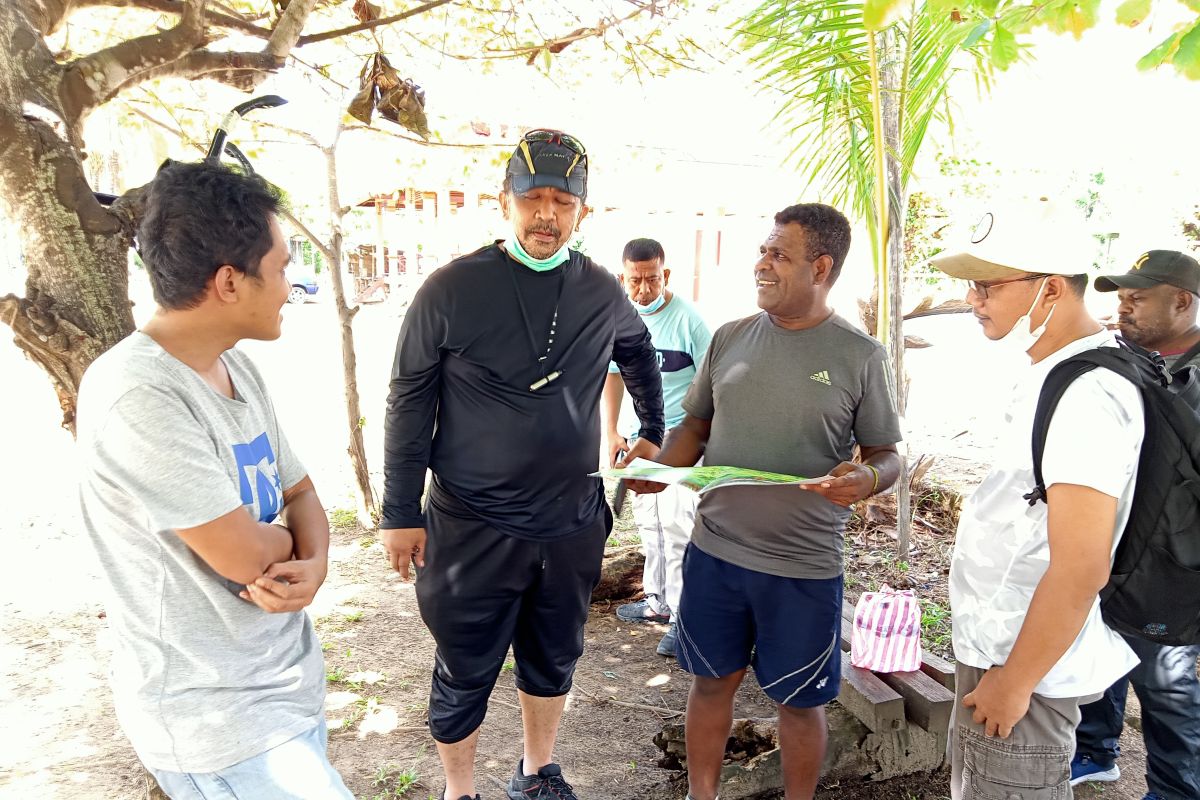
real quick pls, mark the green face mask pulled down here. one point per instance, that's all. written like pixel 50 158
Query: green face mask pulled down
pixel 515 250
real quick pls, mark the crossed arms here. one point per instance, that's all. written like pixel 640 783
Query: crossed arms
pixel 281 564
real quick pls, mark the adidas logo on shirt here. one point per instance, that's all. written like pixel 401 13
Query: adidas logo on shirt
pixel 821 377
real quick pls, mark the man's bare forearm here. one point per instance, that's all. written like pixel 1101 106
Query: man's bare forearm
pixel 614 388
pixel 1056 615
pixel 886 461
pixel 685 443
pixel 275 544
pixel 305 518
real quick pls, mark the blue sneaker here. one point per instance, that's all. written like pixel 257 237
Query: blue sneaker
pixel 1084 769
pixel 642 611
pixel 666 646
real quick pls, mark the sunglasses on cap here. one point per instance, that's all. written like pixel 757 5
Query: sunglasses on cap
pixel 539 135
pixel 539 161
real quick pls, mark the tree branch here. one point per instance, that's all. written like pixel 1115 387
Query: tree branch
pixel 287 30
pixel 560 44
pixel 325 249
pixel 375 23
pixel 430 143
pixel 177 7
pixel 240 70
pixel 95 79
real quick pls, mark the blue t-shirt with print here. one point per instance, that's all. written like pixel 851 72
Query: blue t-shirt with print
pixel 681 339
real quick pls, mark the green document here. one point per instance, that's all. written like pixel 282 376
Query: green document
pixel 702 479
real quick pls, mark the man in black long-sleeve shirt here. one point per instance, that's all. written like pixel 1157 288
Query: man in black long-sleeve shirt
pixel 496 388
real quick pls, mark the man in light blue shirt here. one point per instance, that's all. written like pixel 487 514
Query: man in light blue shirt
pixel 664 520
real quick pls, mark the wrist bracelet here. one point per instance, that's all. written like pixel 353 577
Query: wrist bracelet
pixel 875 472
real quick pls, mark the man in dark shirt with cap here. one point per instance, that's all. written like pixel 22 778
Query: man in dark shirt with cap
pixel 1157 309
pixel 496 389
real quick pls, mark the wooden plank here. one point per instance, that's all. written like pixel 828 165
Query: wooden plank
pixel 938 668
pixel 847 624
pixel 927 703
pixel 876 705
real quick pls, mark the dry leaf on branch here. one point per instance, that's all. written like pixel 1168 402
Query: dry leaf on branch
pixel 398 99
pixel 366 11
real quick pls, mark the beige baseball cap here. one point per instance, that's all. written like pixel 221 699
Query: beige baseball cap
pixel 1006 243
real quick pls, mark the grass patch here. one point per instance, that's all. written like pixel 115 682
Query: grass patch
pixel 343 518
pixel 392 781
pixel 935 624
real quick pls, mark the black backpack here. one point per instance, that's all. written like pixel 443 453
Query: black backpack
pixel 1154 590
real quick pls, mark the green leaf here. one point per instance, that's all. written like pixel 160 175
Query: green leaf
pixel 879 14
pixel 1133 12
pixel 977 34
pixel 1082 16
pixel 1187 55
pixel 987 7
pixel 939 7
pixel 1194 5
pixel 1161 54
pixel 1005 50
pixel 547 58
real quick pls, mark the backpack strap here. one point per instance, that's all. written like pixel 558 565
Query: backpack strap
pixel 1183 360
pixel 1132 366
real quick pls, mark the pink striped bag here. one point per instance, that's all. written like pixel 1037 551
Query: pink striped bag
pixel 887 631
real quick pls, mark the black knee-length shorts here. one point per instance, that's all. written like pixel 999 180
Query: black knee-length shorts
pixel 482 590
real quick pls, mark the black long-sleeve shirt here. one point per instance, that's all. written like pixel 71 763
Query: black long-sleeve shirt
pixel 460 402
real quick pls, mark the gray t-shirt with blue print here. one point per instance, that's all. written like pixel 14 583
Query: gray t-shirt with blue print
pixel 201 678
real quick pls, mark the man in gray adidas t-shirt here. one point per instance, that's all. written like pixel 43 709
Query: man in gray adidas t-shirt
pixel 208 530
pixel 789 390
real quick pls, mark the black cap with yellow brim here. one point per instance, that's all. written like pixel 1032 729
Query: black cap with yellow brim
pixel 1154 268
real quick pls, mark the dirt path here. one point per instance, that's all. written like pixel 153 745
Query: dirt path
pixel 60 738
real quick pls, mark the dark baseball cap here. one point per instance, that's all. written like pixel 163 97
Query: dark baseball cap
pixel 1154 268
pixel 546 157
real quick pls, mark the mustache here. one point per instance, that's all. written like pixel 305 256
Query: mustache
pixel 1125 321
pixel 552 230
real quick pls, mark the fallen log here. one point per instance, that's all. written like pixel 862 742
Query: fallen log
pixel 620 574
pixel 753 767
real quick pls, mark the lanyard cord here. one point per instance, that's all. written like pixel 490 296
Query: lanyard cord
pixel 541 360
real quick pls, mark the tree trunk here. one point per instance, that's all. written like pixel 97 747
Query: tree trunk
pixel 76 302
pixel 367 505
pixel 620 574
pixel 891 99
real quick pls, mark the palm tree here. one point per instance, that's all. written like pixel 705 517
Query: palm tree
pixel 863 84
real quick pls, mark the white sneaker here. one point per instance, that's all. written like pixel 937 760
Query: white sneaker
pixel 1084 770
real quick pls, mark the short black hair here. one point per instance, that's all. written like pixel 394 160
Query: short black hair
pixel 199 217
pixel 827 228
pixel 643 250
pixel 1077 283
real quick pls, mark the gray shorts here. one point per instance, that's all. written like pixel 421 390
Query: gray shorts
pixel 1033 763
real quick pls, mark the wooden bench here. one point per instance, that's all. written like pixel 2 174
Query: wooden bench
pixel 886 702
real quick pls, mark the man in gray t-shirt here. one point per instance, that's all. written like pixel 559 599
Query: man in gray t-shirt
pixel 790 390
pixel 208 530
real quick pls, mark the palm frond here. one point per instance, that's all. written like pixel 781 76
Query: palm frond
pixel 816 53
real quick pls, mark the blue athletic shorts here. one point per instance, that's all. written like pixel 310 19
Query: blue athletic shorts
pixel 788 629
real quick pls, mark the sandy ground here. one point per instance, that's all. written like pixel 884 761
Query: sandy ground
pixel 57 733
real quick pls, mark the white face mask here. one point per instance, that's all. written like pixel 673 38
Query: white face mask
pixel 1021 339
